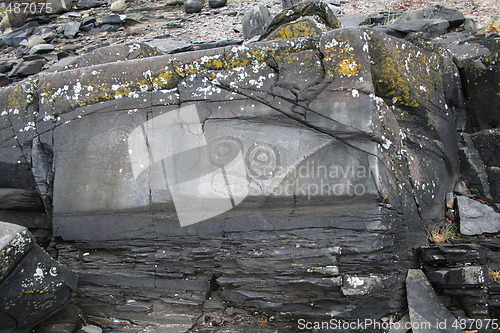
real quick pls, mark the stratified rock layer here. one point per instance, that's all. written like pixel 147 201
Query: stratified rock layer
pixel 362 114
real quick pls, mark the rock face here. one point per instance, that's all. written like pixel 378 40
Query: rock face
pixel 33 286
pixel 306 169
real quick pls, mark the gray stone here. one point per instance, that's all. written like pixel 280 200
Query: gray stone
pixel 171 45
pixel 472 167
pixel 453 16
pixel 193 6
pixel 461 188
pixel 299 20
pixel 433 27
pixel 113 19
pixel 91 329
pixel 118 6
pixel 15 37
pixel 353 20
pixel 71 29
pixel 256 21
pixel 88 4
pixel 6 66
pixel 27 68
pixel 32 284
pixel 425 309
pixel 477 218
pixel 216 3
pixel 467 276
pixel 42 48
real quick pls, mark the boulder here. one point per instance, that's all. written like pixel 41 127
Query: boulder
pixel 256 21
pixel 477 218
pixel 306 19
pixel 304 170
pixel 33 285
pixel 70 30
pixel 15 37
pixel 453 16
pixel 432 27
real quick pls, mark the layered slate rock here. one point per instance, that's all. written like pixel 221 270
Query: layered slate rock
pixel 459 274
pixel 348 150
pixel 33 286
pixel 427 312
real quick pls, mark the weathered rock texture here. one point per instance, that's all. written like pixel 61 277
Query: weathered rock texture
pixel 459 272
pixel 369 108
pixel 33 286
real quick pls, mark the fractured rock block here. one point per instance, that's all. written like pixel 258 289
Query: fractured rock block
pixel 33 285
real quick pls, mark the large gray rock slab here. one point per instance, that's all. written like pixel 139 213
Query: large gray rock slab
pixel 477 218
pixel 33 286
pixel 453 16
pixel 432 27
pixel 309 165
pixel 427 312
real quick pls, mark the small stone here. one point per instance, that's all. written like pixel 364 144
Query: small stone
pixel 174 2
pixel 34 40
pixel 450 214
pixel 118 6
pixel 91 329
pixel 353 20
pixel 113 19
pixel 461 188
pixel 193 6
pixel 216 3
pixel 42 48
pixel 26 68
pixel 449 200
pixel 433 27
pixel 6 67
pixel 87 4
pixel 70 30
